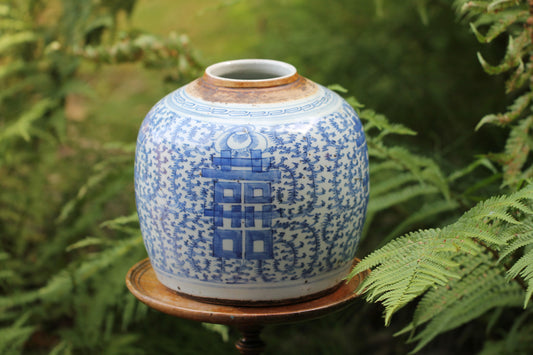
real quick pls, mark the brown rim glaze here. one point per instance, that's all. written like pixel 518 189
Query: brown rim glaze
pixel 251 81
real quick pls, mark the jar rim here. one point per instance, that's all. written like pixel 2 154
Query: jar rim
pixel 251 73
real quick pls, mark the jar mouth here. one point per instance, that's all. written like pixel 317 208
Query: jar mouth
pixel 251 73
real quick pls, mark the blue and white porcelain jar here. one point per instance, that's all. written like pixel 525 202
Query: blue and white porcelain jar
pixel 251 185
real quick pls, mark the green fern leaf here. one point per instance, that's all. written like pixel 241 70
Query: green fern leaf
pixel 63 283
pixel 499 26
pixel 522 236
pixel 499 5
pixel 482 161
pixel 29 81
pixel 517 151
pixel 498 207
pixel 120 221
pixel 385 201
pixel 9 24
pixel 514 111
pixel 480 287
pixel 425 213
pixel 435 301
pixel 518 79
pixel 387 185
pixel 338 88
pixel 425 170
pixel 407 267
pixel 11 40
pixel 524 268
pixel 478 302
pixel 471 6
pixel 379 121
pixel 383 166
pixel 12 338
pixel 4 9
pixel 89 241
pixel 12 68
pixel 519 340
pixel 513 56
pixel 22 126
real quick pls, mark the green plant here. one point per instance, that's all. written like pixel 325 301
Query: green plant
pixel 58 291
pixel 482 261
pixel 64 252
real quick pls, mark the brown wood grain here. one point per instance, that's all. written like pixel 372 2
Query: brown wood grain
pixel 143 284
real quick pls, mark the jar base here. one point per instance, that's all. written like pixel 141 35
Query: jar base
pixel 265 303
pixel 257 294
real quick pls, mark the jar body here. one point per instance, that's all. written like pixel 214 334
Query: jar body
pixel 251 202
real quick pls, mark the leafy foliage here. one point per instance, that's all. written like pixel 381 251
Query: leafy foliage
pixel 61 275
pixel 410 60
pixel 508 17
pixel 400 176
pixel 451 267
pixel 482 261
pixel 68 231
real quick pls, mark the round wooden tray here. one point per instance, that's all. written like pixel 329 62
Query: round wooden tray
pixel 142 282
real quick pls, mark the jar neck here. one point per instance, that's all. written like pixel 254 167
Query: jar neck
pixel 251 81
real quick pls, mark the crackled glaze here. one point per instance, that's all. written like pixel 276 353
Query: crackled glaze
pixel 251 201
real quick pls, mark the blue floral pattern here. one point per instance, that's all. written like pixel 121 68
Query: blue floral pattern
pixel 230 194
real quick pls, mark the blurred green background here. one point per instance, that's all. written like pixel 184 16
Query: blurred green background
pixel 418 69
pixel 415 63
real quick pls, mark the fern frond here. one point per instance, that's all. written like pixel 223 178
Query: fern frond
pixel 341 89
pixel 382 202
pixel 435 301
pixel 401 159
pixel 498 206
pixel 152 50
pixel 22 125
pixel 384 166
pixel 518 79
pixel 387 185
pixel 11 40
pixel 491 292
pixel 473 8
pixel 407 267
pixel 499 5
pixel 481 161
pixel 514 111
pixel 524 268
pixel 513 56
pixel 522 235
pixel 519 339
pixel 379 121
pixel 12 338
pixel 470 8
pixel 425 213
pixel 86 242
pixel 517 150
pixel 499 26
pixel 12 68
pixel 103 171
pixel 62 283
pixel 119 222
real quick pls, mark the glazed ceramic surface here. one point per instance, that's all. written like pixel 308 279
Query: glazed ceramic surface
pixel 251 184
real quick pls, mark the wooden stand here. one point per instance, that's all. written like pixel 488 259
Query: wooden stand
pixel 142 282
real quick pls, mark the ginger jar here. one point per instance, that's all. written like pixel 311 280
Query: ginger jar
pixel 251 185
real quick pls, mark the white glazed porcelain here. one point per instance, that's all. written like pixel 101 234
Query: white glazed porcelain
pixel 251 185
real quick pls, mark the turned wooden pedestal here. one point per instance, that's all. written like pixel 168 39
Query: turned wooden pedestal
pixel 142 282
